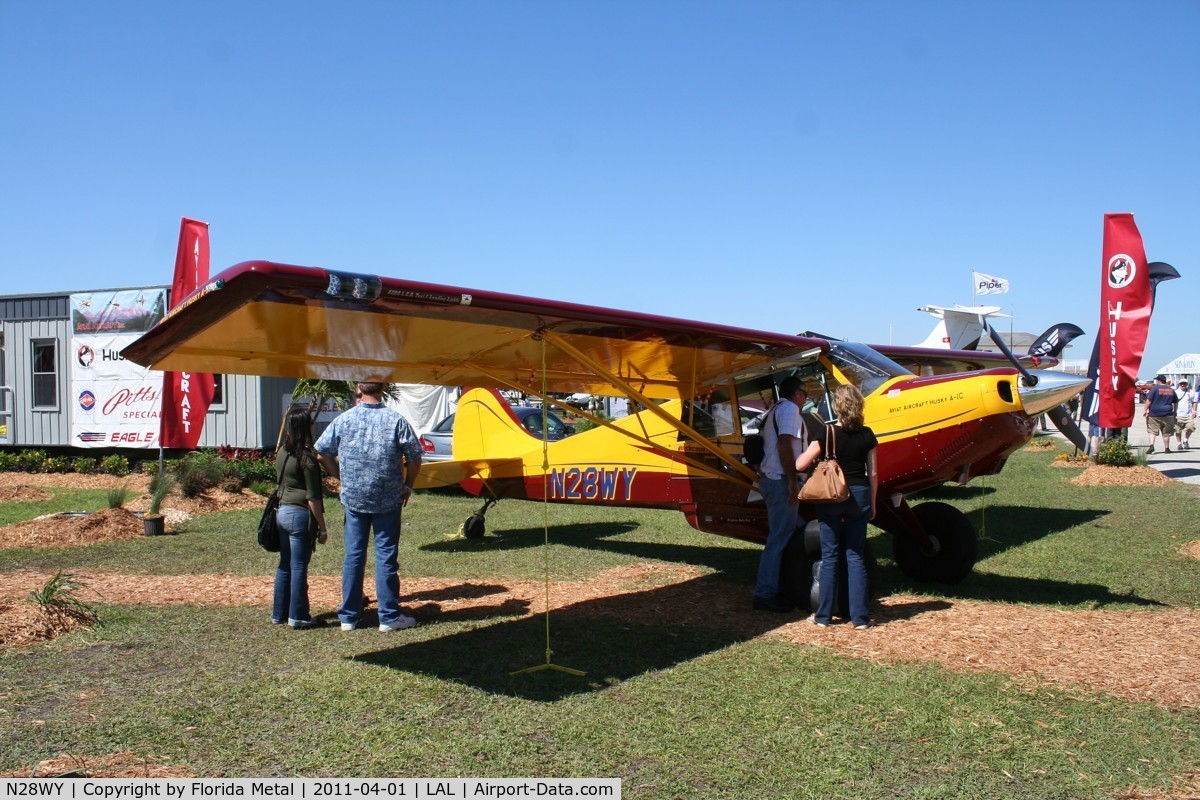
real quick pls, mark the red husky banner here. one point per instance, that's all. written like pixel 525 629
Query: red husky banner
pixel 1125 306
pixel 187 395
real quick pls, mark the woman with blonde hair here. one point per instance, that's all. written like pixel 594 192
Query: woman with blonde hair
pixel 844 524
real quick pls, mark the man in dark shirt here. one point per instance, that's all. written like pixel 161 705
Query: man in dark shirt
pixel 1160 412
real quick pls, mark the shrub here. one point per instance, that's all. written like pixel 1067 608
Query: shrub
pixel 31 460
pixel 231 483
pixel 254 469
pixel 1115 453
pixel 263 488
pixel 198 472
pixel 85 465
pixel 115 465
pixel 584 424
pixel 56 464
pixel 9 462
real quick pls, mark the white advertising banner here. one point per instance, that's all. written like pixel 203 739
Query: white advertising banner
pixel 114 402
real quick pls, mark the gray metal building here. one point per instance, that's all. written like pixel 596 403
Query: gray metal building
pixel 35 409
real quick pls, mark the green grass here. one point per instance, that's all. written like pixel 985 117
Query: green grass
pixel 674 710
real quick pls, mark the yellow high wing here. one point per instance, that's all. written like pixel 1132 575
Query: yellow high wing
pixel 261 318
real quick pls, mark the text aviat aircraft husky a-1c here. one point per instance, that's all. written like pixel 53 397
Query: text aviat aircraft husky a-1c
pixel 682 451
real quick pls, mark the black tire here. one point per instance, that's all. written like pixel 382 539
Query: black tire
pixel 841 604
pixel 955 540
pixel 474 527
pixel 812 538
pixel 796 575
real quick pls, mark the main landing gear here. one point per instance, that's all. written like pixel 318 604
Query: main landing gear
pixel 933 541
pixel 800 577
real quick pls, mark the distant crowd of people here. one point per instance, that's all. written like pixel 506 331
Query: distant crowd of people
pixel 1170 411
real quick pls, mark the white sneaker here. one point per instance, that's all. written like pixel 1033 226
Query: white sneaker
pixel 402 622
pixel 349 626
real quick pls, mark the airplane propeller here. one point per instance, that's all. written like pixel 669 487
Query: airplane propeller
pixel 1049 392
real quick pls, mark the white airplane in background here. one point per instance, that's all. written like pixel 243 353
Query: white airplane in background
pixel 959 327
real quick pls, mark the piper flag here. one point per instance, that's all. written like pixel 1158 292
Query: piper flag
pixel 187 395
pixel 989 284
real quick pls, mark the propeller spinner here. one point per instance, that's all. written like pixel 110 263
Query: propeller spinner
pixel 1046 391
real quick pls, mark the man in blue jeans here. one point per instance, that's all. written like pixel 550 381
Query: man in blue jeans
pixel 784 439
pixel 377 456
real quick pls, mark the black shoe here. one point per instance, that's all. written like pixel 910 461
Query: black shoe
pixel 772 604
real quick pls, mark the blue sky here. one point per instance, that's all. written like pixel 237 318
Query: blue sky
pixel 785 166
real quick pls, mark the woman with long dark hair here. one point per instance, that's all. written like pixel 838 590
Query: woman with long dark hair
pixel 299 477
pixel 844 524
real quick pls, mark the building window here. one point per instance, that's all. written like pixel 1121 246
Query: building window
pixel 218 401
pixel 45 373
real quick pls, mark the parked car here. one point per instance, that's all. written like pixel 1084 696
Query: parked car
pixel 437 440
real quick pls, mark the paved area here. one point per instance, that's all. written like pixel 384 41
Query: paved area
pixel 1181 465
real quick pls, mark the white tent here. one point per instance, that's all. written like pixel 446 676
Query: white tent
pixel 424 406
pixel 1186 366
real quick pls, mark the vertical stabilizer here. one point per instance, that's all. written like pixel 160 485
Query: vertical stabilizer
pixel 485 427
pixel 959 327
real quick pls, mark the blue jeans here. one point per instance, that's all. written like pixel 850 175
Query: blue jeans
pixel 291 577
pixel 844 527
pixel 781 524
pixel 387 579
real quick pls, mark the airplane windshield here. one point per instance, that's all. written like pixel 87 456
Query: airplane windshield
pixel 866 368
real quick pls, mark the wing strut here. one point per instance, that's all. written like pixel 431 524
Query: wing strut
pixel 650 405
pixel 674 455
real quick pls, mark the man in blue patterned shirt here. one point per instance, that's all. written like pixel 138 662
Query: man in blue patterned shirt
pixel 375 453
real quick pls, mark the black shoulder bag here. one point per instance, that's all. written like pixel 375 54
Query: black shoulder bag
pixel 268 527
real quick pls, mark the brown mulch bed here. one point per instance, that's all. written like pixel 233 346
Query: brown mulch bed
pixel 105 525
pixel 207 503
pixel 136 483
pixel 1103 475
pixel 108 524
pixel 23 494
pixel 117 765
pixel 1063 462
pixel 1143 655
pixel 22 623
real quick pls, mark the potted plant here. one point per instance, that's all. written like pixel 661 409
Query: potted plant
pixel 153 520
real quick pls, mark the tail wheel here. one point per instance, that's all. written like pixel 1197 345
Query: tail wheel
pixel 474 527
pixel 954 550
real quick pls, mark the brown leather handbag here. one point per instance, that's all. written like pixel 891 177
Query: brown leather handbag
pixel 827 484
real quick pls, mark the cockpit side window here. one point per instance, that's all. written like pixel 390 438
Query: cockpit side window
pixel 866 368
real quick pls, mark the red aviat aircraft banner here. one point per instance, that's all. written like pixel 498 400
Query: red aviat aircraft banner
pixel 1125 306
pixel 187 395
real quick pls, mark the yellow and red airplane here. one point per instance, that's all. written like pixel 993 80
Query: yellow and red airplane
pixel 682 451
